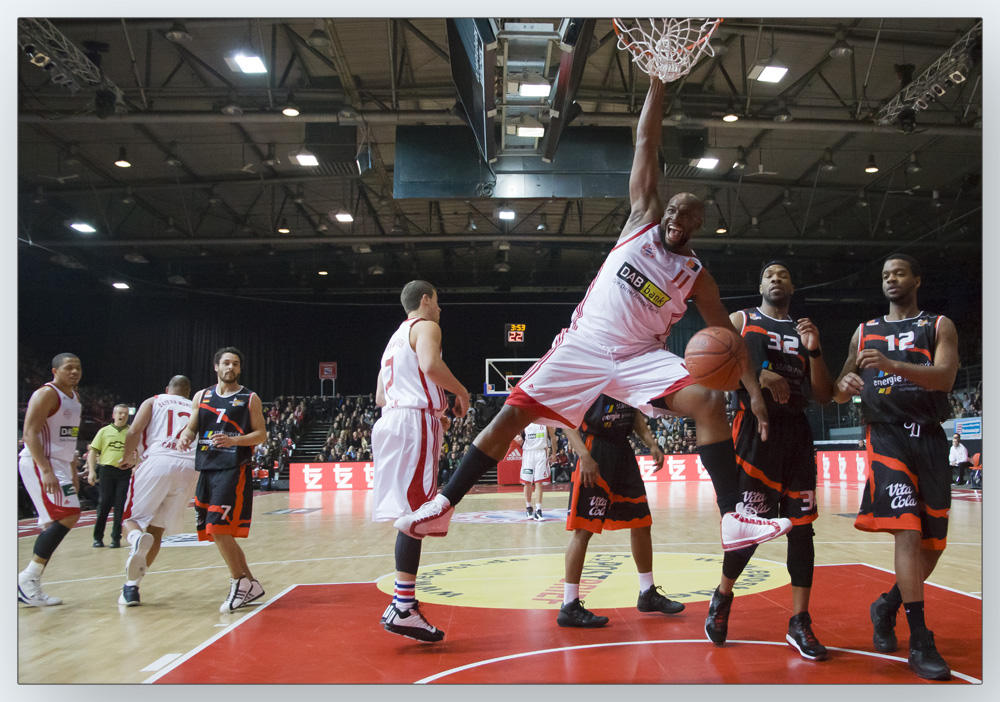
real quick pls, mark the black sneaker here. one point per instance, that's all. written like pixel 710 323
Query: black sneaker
pixel 801 636
pixel 129 596
pixel 412 625
pixel 115 543
pixel 884 623
pixel 529 511
pixel 576 615
pixel 653 601
pixel 98 543
pixel 538 516
pixel 717 621
pixel 925 660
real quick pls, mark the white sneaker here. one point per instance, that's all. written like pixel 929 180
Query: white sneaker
pixel 412 624
pixel 29 591
pixel 744 528
pixel 241 593
pixel 430 519
pixel 385 614
pixel 135 565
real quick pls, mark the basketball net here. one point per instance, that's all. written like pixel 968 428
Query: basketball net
pixel 666 48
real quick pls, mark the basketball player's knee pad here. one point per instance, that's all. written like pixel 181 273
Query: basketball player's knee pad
pixel 49 539
pixel 734 562
pixel 801 555
pixel 407 553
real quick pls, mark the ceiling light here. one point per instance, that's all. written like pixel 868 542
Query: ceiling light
pixel 789 251
pixel 783 115
pixel 731 114
pixel 741 158
pixel 72 157
pixel 321 228
pixel 82 227
pixel 171 159
pixel 914 165
pixel 502 267
pixel 862 200
pixel 300 195
pixel 721 229
pixel 534 85
pixel 936 199
pixel 376 270
pixel 872 167
pixel 841 49
pixel 270 159
pixel 543 225
pixel 119 285
pixel 343 215
pixel 318 38
pixel 322 273
pixel 136 257
pixel 122 161
pixel 177 279
pixel 503 246
pixel 171 227
pixel 304 157
pixel 787 198
pixel 362 249
pixel 397 226
pixel 677 114
pixel 470 224
pixel 828 164
pixel 530 127
pixel 364 159
pixel 769 70
pixel 178 33
pixel 247 61
pixel 39 196
pixel 706 162
pixel 506 213
pixel 718 46
pixel 283 226
pixel 290 109
pixel 709 199
pixel 232 107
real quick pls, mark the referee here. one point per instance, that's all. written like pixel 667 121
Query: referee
pixel 106 451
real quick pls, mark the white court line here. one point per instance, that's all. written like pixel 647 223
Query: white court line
pixel 160 662
pixel 213 639
pixel 489 661
pixel 974 595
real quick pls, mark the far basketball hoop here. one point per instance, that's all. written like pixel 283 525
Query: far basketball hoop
pixel 666 48
pixel 502 374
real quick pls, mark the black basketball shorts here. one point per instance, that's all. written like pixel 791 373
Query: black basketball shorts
pixel 778 477
pixel 909 482
pixel 223 502
pixel 618 501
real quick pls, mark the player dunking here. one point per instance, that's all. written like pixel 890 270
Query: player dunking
pixel 615 345
pixel 778 477
pixel 227 421
pixel 904 365
pixel 162 486
pixel 51 426
pixel 406 443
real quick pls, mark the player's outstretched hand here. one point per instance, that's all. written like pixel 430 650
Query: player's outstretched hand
pixel 776 384
pixel 850 384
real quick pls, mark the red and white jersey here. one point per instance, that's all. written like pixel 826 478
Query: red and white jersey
pixel 405 384
pixel 640 292
pixel 59 434
pixel 536 438
pixel 169 417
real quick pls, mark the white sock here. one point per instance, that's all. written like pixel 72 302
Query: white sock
pixel 443 501
pixel 571 591
pixel 34 569
pixel 538 506
pixel 134 536
pixel 131 582
pixel 645 581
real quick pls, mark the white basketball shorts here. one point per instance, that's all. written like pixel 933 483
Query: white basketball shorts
pixel 50 508
pixel 406 445
pixel 563 384
pixel 160 491
pixel 535 467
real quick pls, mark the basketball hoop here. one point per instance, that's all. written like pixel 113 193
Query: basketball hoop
pixel 666 48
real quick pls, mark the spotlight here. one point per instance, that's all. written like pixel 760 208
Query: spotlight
pixel 171 159
pixel 862 200
pixel 290 109
pixel 841 49
pixel 828 164
pixel 872 167
pixel 470 224
pixel 178 33
pixel 741 158
pixel 731 115
pixel 907 120
pixel 283 226
pixel 913 166
pixel 123 161
pixel 543 225
pixel 787 198
pixel 128 197
pixel 783 115
pixel 232 108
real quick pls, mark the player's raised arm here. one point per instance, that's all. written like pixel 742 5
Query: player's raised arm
pixel 642 184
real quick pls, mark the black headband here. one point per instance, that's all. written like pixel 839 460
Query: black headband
pixel 775 262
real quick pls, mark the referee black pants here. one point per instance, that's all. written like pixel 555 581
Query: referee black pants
pixel 112 484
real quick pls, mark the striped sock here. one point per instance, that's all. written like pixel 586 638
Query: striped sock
pixel 405 595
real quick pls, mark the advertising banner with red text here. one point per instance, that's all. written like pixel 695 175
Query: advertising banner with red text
pixel 320 477
pixel 841 467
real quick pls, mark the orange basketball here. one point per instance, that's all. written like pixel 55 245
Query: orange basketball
pixel 716 358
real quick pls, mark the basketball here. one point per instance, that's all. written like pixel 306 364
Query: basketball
pixel 716 358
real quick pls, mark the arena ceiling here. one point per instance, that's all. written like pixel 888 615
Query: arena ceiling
pixel 213 175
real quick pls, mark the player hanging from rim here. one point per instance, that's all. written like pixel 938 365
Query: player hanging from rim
pixel 616 345
pixel 904 365
pixel 778 477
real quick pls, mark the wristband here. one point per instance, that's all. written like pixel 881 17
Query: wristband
pixel 816 353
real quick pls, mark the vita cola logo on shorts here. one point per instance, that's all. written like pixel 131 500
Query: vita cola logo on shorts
pixel 902 495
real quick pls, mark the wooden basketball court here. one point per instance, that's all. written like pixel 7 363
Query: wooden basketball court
pixel 493 585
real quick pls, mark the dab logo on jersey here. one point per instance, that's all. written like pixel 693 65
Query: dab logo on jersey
pixel 640 283
pixel 69 432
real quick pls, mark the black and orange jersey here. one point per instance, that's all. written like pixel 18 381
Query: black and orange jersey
pixel 775 345
pixel 229 414
pixel 609 418
pixel 892 399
